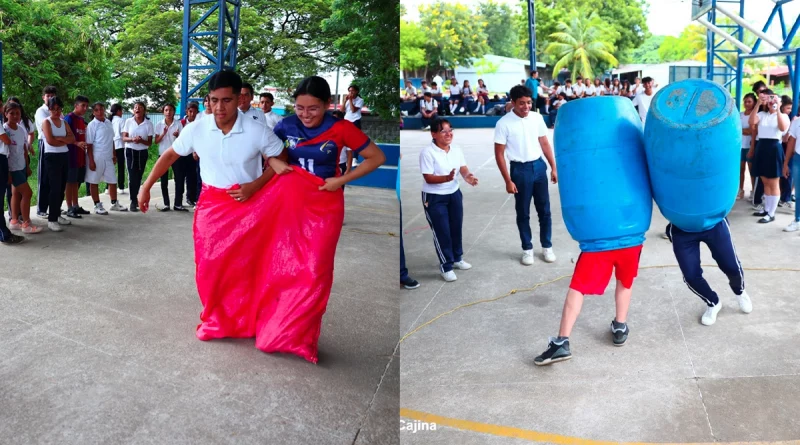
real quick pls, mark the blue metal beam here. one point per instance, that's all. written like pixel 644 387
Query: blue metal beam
pixel 766 27
pixel 531 35
pixel 796 82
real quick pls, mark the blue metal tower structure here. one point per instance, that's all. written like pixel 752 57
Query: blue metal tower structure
pixel 713 8
pixel 222 56
pixel 531 36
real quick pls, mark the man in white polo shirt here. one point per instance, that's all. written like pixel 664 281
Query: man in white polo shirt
pixel 643 100
pixel 522 137
pixel 245 104
pixel 267 101
pixel 42 113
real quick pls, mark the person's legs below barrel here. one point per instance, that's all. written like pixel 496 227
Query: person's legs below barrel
pixel 686 246
pixel 436 212
pixel 522 176
pixel 541 200
pixel 720 243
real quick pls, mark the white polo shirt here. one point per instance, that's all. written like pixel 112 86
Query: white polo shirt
pixel 428 106
pixel 592 91
pixel 454 89
pixel 349 114
pixel 768 126
pixel 579 90
pixel 272 118
pixel 100 134
pixel 643 101
pixel 168 138
pixel 42 113
pixel 521 136
pixel 794 129
pixel 145 130
pixel 228 159
pixel 435 161
pixel 118 122
pixel 254 113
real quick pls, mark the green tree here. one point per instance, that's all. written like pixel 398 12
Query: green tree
pixel 648 52
pixel 547 19
pixel 368 47
pixel 412 46
pixel 690 45
pixel 581 44
pixel 456 35
pixel 500 37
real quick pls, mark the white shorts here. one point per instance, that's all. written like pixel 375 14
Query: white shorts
pixel 105 172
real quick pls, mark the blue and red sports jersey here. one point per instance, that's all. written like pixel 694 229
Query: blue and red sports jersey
pixel 77 155
pixel 316 150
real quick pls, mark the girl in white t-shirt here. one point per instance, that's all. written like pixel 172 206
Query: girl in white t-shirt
pixel 791 168
pixel 615 87
pixel 455 95
pixel 166 132
pixel 769 158
pixel 747 144
pixel 483 95
pixel 28 127
pixel 19 170
pixel 441 198
pixel 137 134
pixel 469 96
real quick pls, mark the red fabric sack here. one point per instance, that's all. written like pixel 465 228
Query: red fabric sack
pixel 265 266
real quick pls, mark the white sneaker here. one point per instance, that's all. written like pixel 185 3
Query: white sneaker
pixel 527 257
pixel 744 302
pixel 549 256
pixel 449 276
pixel 117 207
pixel 793 227
pixel 98 209
pixel 123 191
pixel 758 208
pixel 64 221
pixel 55 227
pixel 710 316
pixel 107 192
pixel 463 265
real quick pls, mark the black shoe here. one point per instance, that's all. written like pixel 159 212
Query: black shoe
pixel 180 209
pixel 410 283
pixel 73 214
pixel 554 353
pixel 81 211
pixel 762 213
pixel 191 203
pixel 163 209
pixel 13 239
pixel 620 333
pixel 42 214
pixel 766 219
pixel 133 208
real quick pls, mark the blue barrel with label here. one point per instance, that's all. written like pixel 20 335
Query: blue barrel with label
pixel 693 141
pixel 602 173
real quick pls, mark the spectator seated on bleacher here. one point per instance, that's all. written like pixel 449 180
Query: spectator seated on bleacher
pixel 429 110
pixel 455 95
pixel 469 102
pixel 410 92
pixel 553 111
pixel 423 89
pixel 483 96
pixel 436 93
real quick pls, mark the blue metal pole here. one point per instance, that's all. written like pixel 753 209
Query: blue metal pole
pixel 796 82
pixel 739 61
pixel 710 46
pixel 221 35
pixel 185 57
pixel 532 35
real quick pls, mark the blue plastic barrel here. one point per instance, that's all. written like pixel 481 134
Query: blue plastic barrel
pixel 602 173
pixel 693 141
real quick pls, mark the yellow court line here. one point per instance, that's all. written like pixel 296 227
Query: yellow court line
pixel 536 436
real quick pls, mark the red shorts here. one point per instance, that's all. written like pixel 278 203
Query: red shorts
pixel 593 270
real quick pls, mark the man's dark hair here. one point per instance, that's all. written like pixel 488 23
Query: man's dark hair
pixel 248 87
pixel 759 85
pixel 168 105
pixel 562 95
pixel 225 79
pixel 114 110
pixel 314 86
pixel 268 96
pixel 556 84
pixel 438 124
pixel 519 92
pixel 647 79
pixel 533 73
pixel 579 78
pixel 568 81
pixel 50 89
pixel 428 94
pixel 55 100
pixel 193 104
pixel 81 99
pixel 434 84
pixel 355 87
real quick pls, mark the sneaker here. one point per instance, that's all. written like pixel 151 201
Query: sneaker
pixel 766 219
pixel 13 239
pixel 665 235
pixel 462 265
pixel 54 227
pixel 527 257
pixel 745 305
pixel 107 192
pixel 556 352
pixel 42 214
pixel 410 283
pixel 191 203
pixel 549 256
pixel 123 191
pixel 72 213
pixel 98 208
pixel 134 208
pixel 117 207
pixel 180 209
pixel 64 221
pixel 14 224
pixel 758 207
pixel 710 316
pixel 29 228
pixel 793 227
pixel 761 213
pixel 620 334
pixel 426 128
pixel 81 211
pixel 162 209
pixel 740 195
pixel 449 276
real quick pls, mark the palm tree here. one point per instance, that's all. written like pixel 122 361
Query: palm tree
pixel 581 44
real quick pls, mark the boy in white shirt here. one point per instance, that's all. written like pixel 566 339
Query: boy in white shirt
pixel 245 104
pixel 166 132
pixel 267 101
pixel 102 159
pixel 643 100
pixel 429 109
pixel 42 113
pixel 411 92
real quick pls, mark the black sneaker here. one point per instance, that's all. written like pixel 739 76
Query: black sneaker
pixel 766 219
pixel 81 211
pixel 42 214
pixel 191 203
pixel 13 239
pixel 163 209
pixel 554 353
pixel 73 214
pixel 180 209
pixel 410 283
pixel 761 213
pixel 619 333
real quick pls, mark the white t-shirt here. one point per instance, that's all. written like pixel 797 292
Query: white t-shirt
pixel 425 89
pixel 16 152
pixel 438 79
pixel 569 91
pixel 228 159
pixel 466 91
pixel 411 91
pixel 745 118
pixel 435 91
pixel 579 90
pixel 57 132
pixel 794 129
pixel 482 90
pixel 145 130
pixel 255 114
pixel 428 106
pixel 3 147
pixel 643 102
pixel 351 115
pixel 454 90
pixel 168 138
pixel 768 126
pixel 637 89
pixel 559 103
pixel 521 136
pixel 591 90
pixel 271 119
pixel 435 161
pixel 343 155
pixel 117 123
pixel 100 134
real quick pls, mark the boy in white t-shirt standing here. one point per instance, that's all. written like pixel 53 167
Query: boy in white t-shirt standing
pixel 166 133
pixel 267 101
pixel 102 156
pixel 521 136
pixel 42 113
pixel 352 106
pixel 643 100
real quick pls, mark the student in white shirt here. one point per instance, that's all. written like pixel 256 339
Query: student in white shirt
pixel 455 95
pixel 637 87
pixel 580 88
pixel 791 167
pixel 436 93
pixel 57 135
pixel 245 104
pixel 591 89
pixel 786 181
pixel 137 134
pixel 615 87
pixel 770 156
pixel 267 101
pixel 117 122
pixel 521 136
pixel 441 198
pixel 28 127
pixel 642 101
pixel 6 237
pixel 437 79
pixel 747 142
pixel 102 157
pixel 569 90
pixel 43 190
pixel 411 92
pixel 429 109
pixel 166 132
pixel 553 111
pixel 424 88
pixel 483 95
pixel 16 134
pixel 352 106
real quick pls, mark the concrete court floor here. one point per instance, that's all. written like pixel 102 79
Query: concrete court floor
pixel 98 341
pixel 675 380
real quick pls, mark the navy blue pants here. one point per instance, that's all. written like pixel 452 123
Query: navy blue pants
pixel 199 183
pixel 44 182
pixel 403 269
pixel 531 181
pixel 4 232
pixel 786 184
pixel 445 214
pixel 686 246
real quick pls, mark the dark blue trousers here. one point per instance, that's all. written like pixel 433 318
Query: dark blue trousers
pixel 445 214
pixel 44 181
pixel 532 183
pixel 4 232
pixel 403 269
pixel 686 246
pixel 786 185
